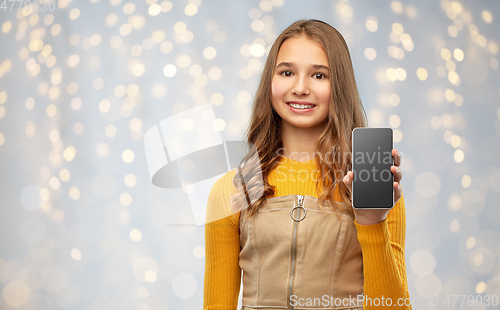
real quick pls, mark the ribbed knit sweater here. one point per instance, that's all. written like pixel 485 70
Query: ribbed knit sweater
pixel 382 244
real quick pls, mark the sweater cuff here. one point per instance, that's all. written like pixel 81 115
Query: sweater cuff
pixel 373 235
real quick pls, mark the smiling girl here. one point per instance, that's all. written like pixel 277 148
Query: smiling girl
pixel 299 242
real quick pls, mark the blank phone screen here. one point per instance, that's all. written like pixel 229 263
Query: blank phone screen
pixel 371 165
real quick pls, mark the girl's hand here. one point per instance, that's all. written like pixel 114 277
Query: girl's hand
pixel 375 216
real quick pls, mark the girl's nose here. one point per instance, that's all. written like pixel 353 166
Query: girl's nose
pixel 301 86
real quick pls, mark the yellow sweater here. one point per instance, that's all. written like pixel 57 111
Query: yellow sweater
pixel 382 244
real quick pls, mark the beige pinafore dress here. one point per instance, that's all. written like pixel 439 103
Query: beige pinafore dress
pixel 296 256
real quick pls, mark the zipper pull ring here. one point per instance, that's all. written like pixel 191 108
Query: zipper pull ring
pixel 299 206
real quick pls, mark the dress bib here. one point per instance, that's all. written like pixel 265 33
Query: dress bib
pixel 296 256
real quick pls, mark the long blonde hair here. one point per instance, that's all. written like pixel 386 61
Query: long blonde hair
pixel 345 113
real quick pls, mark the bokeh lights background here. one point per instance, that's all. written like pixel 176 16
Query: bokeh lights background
pixel 82 226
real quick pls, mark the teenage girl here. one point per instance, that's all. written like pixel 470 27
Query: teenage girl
pixel 291 228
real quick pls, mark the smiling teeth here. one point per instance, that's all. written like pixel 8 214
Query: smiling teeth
pixel 301 106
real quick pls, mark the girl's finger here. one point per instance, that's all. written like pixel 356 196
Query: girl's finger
pixel 397 157
pixel 398 174
pixel 398 192
pixel 348 180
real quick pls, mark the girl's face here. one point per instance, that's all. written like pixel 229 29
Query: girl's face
pixel 301 84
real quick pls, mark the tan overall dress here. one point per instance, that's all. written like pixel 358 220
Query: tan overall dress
pixel 296 256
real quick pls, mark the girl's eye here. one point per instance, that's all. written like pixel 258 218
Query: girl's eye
pixel 286 73
pixel 319 76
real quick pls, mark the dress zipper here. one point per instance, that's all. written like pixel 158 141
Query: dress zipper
pixel 300 200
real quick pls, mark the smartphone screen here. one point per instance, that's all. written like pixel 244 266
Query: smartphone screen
pixel 371 165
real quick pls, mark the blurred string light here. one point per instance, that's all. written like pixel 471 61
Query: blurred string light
pixel 72 218
pixel 428 183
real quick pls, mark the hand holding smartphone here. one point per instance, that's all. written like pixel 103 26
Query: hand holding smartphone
pixel 372 185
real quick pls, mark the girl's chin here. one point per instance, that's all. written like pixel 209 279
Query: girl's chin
pixel 304 125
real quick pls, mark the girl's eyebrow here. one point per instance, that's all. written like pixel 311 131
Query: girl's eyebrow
pixel 285 64
pixel 292 64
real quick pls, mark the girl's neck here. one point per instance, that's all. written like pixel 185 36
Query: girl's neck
pixel 299 144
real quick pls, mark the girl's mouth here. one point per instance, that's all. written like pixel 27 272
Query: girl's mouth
pixel 300 108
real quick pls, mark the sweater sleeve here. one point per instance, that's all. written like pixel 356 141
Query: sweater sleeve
pixel 222 247
pixel 384 266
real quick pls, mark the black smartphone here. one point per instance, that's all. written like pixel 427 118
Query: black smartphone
pixel 372 186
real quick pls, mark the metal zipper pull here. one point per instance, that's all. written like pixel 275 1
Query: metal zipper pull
pixel 300 201
pixel 300 198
